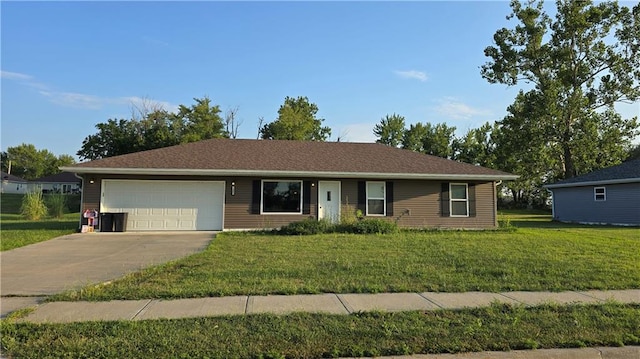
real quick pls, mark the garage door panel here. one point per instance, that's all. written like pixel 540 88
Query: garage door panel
pixel 166 205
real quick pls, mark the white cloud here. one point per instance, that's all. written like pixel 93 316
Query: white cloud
pixel 355 132
pixel 455 109
pixel 146 103
pixel 85 101
pixel 412 74
pixel 71 99
pixel 15 76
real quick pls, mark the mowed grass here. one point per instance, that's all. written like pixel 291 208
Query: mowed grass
pixel 500 327
pixel 17 232
pixel 547 257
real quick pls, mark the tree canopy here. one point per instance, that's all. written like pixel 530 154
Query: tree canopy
pixel 436 140
pixel 579 65
pixel 154 129
pixel 296 121
pixel 30 163
pixel 390 130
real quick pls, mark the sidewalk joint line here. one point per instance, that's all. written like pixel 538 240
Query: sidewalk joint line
pixel 588 296
pixel 514 299
pixel 246 304
pixel 346 307
pixel 431 301
pixel 142 309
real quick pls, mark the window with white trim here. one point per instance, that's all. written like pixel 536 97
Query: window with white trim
pixel 376 199
pixel 600 194
pixel 281 197
pixel 459 199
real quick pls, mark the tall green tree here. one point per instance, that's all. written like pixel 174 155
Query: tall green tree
pixel 30 163
pixel 412 139
pixel 578 64
pixel 296 121
pixel 477 146
pixel 436 140
pixel 390 130
pixel 201 121
pixel 152 129
pixel 114 137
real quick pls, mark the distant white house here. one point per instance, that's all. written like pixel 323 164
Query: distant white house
pixel 64 182
pixel 607 196
pixel 13 184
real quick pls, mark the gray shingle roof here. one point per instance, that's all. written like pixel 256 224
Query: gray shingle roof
pixel 625 172
pixel 9 177
pixel 62 177
pixel 242 156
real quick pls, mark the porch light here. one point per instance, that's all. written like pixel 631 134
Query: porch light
pixel 233 188
pixel 92 180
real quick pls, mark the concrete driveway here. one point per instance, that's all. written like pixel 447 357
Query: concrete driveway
pixel 76 260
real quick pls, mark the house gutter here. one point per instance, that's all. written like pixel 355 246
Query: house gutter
pixel 258 173
pixel 81 198
pixel 592 183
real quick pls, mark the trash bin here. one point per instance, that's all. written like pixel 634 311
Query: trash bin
pixel 106 222
pixel 120 222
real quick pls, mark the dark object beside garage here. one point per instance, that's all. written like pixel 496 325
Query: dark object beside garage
pixel 106 222
pixel 120 221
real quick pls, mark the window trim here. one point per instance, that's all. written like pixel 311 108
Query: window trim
pixel 262 211
pixel 603 194
pixel 384 199
pixel 451 199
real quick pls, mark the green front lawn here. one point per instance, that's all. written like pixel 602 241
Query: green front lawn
pixel 552 257
pixel 500 327
pixel 17 232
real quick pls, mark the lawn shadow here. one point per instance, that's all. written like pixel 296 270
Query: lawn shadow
pixel 23 225
pixel 525 222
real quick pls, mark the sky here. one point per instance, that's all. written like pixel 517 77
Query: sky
pixel 67 66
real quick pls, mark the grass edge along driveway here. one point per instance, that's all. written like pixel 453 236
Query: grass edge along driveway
pixel 541 258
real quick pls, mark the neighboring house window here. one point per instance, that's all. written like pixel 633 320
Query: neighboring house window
pixel 282 197
pixel 376 200
pixel 600 194
pixel 459 201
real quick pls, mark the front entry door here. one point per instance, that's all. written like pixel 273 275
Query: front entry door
pixel 329 200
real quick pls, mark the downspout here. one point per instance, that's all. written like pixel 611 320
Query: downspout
pixel 553 204
pixel 81 199
pixel 495 202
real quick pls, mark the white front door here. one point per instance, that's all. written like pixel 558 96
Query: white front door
pixel 329 200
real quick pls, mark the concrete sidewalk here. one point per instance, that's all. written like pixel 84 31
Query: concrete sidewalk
pixel 630 352
pixel 64 312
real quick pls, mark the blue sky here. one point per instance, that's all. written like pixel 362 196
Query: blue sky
pixel 67 66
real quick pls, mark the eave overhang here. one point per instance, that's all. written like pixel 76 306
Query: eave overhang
pixel 592 183
pixel 270 173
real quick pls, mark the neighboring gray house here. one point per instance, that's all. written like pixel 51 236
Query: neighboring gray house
pixel 607 196
pixel 64 182
pixel 13 184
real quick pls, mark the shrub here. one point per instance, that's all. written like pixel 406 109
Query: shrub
pixel 33 207
pixel 57 203
pixel 307 226
pixel 374 226
pixel 73 203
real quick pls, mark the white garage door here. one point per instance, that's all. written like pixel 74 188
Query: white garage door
pixel 166 205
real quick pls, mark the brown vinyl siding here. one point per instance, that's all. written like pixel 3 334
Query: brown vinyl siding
pixel 238 208
pixel 417 203
pixel 91 194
